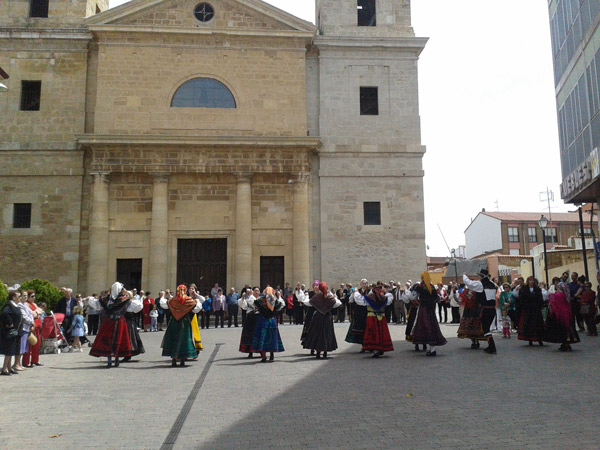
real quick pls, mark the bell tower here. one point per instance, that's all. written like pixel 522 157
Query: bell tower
pixel 370 182
pixel 49 13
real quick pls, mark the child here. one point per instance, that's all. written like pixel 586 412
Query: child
pixel 153 318
pixel 77 328
pixel 505 321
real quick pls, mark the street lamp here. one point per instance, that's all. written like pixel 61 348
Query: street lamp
pixel 3 76
pixel 543 223
pixel 453 252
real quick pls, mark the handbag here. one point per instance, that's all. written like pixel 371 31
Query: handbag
pixel 32 339
pixel 12 333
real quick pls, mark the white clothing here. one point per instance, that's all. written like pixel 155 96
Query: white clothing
pixel 135 306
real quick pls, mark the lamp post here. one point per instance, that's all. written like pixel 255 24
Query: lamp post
pixel 3 76
pixel 453 252
pixel 543 223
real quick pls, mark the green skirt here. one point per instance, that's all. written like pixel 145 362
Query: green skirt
pixel 178 342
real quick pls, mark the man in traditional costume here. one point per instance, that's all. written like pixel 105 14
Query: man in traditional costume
pixel 113 340
pixel 321 335
pixel 266 334
pixel 178 342
pixel 427 329
pixel 356 331
pixel 377 337
pixel 485 293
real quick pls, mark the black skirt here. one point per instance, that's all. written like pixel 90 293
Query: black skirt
pixel 309 315
pixel 10 346
pixel 321 335
pixel 248 332
pixel 137 347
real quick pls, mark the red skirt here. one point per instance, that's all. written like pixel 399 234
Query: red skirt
pixel 377 335
pixel 112 339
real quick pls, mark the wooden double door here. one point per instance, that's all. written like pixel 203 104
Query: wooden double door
pixel 202 262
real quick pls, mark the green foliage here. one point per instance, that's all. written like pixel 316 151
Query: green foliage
pixel 3 295
pixel 44 292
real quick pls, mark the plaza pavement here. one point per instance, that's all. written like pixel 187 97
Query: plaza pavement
pixel 523 397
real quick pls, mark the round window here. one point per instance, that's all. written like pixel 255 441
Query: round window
pixel 204 12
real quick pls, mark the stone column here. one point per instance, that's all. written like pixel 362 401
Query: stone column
pixel 243 231
pixel 300 235
pixel 98 257
pixel 159 235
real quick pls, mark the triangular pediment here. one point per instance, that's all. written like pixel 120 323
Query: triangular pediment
pixel 242 15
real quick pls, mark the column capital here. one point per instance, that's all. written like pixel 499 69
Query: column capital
pixel 159 177
pixel 100 177
pixel 243 177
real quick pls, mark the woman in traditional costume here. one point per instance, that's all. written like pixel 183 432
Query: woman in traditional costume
pixel 266 334
pixel 113 340
pixel 309 312
pixel 413 311
pixel 470 323
pixel 377 337
pixel 321 335
pixel 427 330
pixel 131 315
pixel 178 342
pixel 356 331
pixel 530 301
pixel 246 303
pixel 560 324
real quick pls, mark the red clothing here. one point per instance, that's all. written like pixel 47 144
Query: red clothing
pixel 148 304
pixel 112 339
pixel 377 334
pixel 33 355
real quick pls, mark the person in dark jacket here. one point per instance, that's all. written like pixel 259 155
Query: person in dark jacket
pixel 10 328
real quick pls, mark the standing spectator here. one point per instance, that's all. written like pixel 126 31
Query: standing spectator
pixel 299 295
pixel 587 308
pixel 65 306
pixel 289 307
pixel 576 287
pixel 454 298
pixel 93 316
pixel 32 357
pixel 205 312
pixel 215 291
pixel 168 296
pixel 443 302
pixel 402 298
pixel 153 318
pixel 25 329
pixel 159 302
pixel 219 305
pixel 11 321
pixel 147 303
pixel 343 296
pixel 232 307
pixel 77 328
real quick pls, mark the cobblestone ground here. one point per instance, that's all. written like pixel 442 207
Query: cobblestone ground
pixel 523 397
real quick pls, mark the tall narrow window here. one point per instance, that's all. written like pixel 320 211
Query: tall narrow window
pixel 372 213
pixel 551 235
pixel 513 234
pixel 369 101
pixel 366 13
pixel 532 234
pixel 38 8
pixel 31 92
pixel 22 215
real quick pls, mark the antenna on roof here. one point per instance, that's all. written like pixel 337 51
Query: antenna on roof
pixel 497 208
pixel 547 196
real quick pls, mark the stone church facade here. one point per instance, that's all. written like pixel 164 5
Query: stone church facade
pixel 168 141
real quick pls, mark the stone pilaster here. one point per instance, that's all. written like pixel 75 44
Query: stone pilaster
pixel 243 230
pixel 98 266
pixel 300 236
pixel 159 235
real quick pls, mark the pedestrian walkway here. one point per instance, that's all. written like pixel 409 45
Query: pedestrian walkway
pixel 533 397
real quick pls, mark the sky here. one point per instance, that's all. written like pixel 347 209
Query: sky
pixel 488 111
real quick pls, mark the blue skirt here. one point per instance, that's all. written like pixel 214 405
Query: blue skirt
pixel 266 336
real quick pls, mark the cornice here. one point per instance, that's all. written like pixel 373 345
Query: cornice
pixel 97 140
pixel 44 33
pixel 413 44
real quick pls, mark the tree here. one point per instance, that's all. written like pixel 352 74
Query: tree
pixel 3 295
pixel 44 292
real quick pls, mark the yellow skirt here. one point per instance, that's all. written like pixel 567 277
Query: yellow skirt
pixel 196 334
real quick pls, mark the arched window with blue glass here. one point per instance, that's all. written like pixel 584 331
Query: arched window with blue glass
pixel 203 93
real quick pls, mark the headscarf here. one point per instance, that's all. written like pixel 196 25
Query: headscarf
pixel 427 280
pixel 270 301
pixel 181 293
pixel 323 288
pixel 115 290
pixel 565 288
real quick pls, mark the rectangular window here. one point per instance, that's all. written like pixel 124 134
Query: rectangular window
pixel 366 13
pixel 514 252
pixel 532 234
pixel 31 92
pixel 369 102
pixel 38 8
pixel 551 235
pixel 372 212
pixel 22 215
pixel 587 231
pixel 513 234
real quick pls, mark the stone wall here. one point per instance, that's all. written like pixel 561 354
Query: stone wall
pixel 61 13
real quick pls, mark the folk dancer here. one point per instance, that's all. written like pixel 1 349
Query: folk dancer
pixel 321 335
pixel 426 330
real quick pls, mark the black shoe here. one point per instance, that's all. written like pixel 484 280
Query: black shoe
pixel 264 360
pixel 182 363
pixel 324 355
pixel 491 351
pixel 318 356
pixel 362 351
pixel 126 359
pixel 312 353
pixel 541 344
pixel 430 353
pixel 272 357
pixel 375 355
pixel 174 363
pixel 250 355
pixel 108 365
pixel 116 362
pixel 6 374
pixel 417 349
pixel 475 345
pixel 530 343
